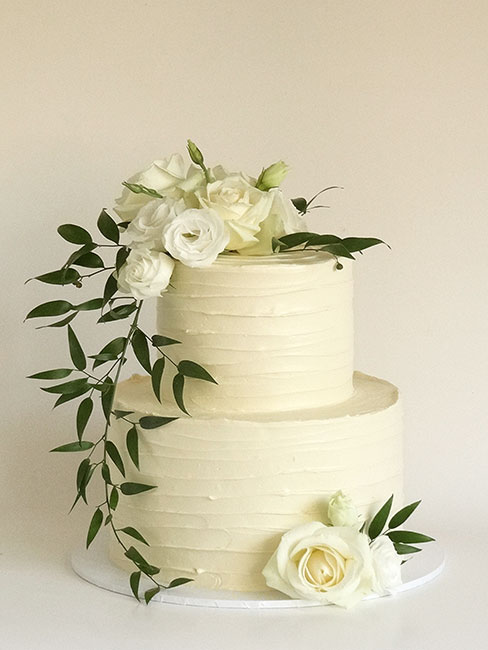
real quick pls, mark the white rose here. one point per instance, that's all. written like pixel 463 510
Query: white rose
pixel 283 219
pixel 342 511
pixel 386 566
pixel 145 230
pixel 240 205
pixel 168 177
pixel 325 563
pixel 195 236
pixel 145 273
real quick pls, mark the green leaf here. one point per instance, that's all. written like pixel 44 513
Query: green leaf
pixel 178 386
pixel 83 415
pixel 114 347
pixel 192 369
pixel 337 249
pixel 122 255
pixel 132 532
pixel 94 527
pixel 110 288
pixel 60 323
pixel 379 520
pixel 70 396
pixel 134 580
pixel 63 276
pixel 66 387
pixel 106 474
pixel 117 313
pixel 89 260
pixel 79 445
pixel 108 398
pixel 76 255
pixel 74 234
pixel 402 515
pixel 58 373
pixel 113 499
pixel 178 581
pixel 133 554
pixel 408 536
pixel 135 488
pixel 275 245
pixel 142 189
pixel 322 240
pixel 154 421
pixel 157 376
pixel 108 519
pixel 150 593
pixel 107 226
pixel 295 239
pixel 132 443
pixel 405 549
pixel 82 478
pixel 76 352
pixel 141 349
pixel 53 308
pixel 161 341
pixel 300 204
pixel 89 305
pixel 114 454
pixel 121 414
pixel 354 244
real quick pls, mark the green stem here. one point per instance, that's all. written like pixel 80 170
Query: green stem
pixel 132 329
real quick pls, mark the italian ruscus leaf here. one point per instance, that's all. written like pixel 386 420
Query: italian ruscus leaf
pixel 94 526
pixel 76 351
pixel 379 520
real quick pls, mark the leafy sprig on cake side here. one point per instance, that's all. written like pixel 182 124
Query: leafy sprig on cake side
pixel 168 213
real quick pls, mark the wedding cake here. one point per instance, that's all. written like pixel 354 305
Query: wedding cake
pixel 251 456
pixel 287 424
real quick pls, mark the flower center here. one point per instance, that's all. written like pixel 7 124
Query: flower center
pixel 324 568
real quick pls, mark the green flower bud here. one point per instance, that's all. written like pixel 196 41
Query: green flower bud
pixel 195 153
pixel 272 176
pixel 342 511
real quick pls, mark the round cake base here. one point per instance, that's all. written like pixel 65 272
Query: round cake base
pixel 95 567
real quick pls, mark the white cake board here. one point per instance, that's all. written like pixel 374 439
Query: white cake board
pixel 94 566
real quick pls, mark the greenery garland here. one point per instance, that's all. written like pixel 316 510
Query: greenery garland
pixel 85 384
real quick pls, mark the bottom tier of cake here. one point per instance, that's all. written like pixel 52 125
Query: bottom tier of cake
pixel 228 489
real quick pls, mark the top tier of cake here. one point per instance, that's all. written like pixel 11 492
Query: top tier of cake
pixel 276 332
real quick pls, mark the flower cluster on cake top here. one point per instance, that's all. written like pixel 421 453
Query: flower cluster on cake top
pixel 193 213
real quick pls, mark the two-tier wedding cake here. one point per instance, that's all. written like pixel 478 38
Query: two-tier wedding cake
pixel 251 456
pixel 287 424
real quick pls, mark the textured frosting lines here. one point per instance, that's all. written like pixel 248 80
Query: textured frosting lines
pixel 227 490
pixel 275 332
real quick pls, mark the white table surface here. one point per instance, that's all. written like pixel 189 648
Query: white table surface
pixel 44 605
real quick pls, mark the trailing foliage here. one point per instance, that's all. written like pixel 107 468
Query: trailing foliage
pixel 86 383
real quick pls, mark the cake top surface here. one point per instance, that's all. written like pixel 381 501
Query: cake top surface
pixel 370 396
pixel 288 258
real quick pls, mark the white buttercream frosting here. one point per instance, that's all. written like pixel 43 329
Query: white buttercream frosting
pixel 276 332
pixel 227 489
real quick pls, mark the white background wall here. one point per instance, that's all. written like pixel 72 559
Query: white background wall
pixel 386 98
